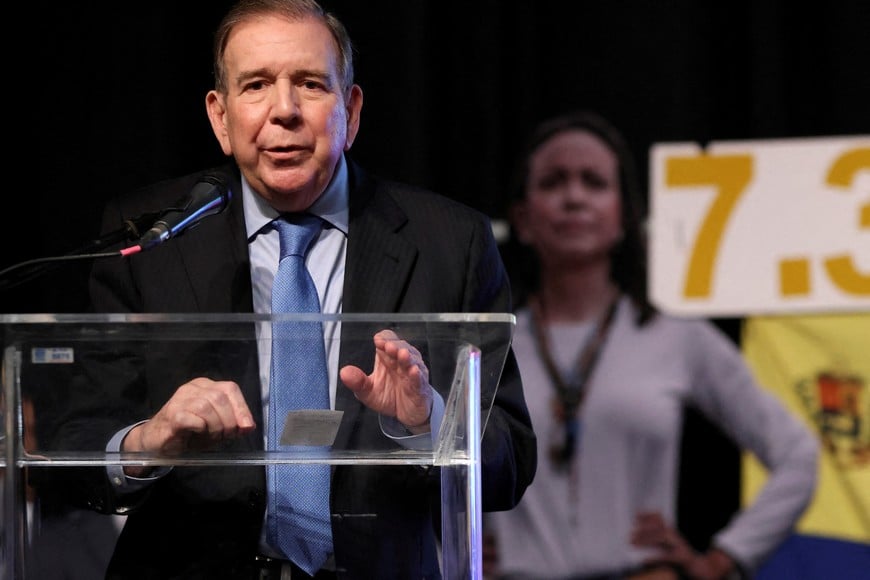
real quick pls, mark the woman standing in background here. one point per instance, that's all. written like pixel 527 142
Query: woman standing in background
pixel 607 380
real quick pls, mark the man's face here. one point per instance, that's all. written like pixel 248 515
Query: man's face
pixel 284 116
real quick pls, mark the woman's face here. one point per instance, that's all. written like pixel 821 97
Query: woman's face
pixel 572 209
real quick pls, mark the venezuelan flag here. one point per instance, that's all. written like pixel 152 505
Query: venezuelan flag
pixel 819 366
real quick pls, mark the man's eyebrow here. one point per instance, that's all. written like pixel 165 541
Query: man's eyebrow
pixel 251 74
pixel 308 73
pixel 264 72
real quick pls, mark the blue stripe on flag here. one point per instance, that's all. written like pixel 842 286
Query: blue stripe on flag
pixel 817 558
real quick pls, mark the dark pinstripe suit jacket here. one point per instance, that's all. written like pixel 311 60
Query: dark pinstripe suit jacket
pixel 408 251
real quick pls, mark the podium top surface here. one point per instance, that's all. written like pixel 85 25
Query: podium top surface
pixel 96 318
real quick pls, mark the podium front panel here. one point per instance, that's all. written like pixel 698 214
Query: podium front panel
pixel 72 381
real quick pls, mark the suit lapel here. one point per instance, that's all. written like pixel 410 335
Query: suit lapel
pixel 379 262
pixel 379 258
pixel 215 257
pixel 216 262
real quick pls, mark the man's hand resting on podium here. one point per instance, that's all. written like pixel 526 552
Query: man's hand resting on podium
pixel 200 414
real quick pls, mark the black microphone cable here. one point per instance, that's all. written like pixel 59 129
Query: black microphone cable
pixel 130 231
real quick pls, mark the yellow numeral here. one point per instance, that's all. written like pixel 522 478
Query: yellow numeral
pixel 731 174
pixel 841 269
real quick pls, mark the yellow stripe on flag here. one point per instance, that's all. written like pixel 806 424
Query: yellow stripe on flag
pixel 819 366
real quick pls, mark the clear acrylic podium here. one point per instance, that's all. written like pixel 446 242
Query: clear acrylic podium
pixel 49 362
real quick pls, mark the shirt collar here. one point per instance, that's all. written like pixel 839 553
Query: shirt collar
pixel 331 206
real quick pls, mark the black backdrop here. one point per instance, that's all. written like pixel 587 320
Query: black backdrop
pixel 450 87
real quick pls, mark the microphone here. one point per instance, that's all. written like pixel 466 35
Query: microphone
pixel 210 196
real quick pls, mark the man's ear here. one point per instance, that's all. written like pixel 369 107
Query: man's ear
pixel 354 107
pixel 215 107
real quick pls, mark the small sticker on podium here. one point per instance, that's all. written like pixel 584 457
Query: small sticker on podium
pixel 316 427
pixel 53 355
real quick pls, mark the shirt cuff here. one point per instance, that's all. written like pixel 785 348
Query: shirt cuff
pixel 122 482
pixel 394 429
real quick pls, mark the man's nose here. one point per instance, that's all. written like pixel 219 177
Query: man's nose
pixel 285 103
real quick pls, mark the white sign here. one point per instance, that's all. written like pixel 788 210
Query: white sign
pixel 760 227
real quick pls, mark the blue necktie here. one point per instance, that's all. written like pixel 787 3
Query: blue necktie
pixel 298 522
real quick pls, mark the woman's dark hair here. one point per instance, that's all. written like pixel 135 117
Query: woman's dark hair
pixel 628 260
